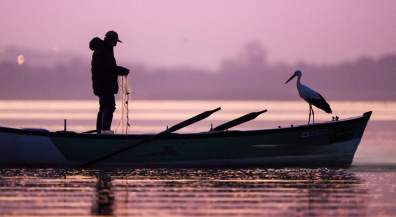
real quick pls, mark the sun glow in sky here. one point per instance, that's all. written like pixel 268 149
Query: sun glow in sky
pixel 203 32
pixel 21 59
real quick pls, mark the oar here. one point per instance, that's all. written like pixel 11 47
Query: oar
pixel 167 131
pixel 91 131
pixel 238 121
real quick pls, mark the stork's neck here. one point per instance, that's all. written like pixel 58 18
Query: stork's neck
pixel 298 83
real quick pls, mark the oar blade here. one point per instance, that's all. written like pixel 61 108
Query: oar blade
pixel 238 121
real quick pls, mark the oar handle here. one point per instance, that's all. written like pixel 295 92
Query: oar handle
pixel 238 121
pixel 192 120
pixel 92 131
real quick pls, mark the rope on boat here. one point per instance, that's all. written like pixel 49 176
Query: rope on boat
pixel 124 122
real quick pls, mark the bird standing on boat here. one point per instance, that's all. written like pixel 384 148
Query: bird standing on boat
pixel 310 96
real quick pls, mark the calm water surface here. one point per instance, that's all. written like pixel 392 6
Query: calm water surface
pixel 198 192
pixel 367 188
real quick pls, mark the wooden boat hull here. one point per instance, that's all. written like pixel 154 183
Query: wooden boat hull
pixel 325 144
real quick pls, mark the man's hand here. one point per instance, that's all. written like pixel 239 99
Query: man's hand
pixel 126 71
pixel 123 70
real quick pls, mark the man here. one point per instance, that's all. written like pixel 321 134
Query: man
pixel 105 74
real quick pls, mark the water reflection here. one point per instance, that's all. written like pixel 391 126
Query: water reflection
pixel 105 200
pixel 284 192
pixel 28 192
pixel 183 192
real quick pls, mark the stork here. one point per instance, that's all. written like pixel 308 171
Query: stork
pixel 310 96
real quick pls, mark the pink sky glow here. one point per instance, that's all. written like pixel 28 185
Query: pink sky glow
pixel 201 33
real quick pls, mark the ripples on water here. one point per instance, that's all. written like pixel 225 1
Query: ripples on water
pixel 197 192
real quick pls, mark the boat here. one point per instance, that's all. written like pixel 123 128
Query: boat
pixel 326 144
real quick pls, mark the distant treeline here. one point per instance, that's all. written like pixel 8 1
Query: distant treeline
pixel 247 76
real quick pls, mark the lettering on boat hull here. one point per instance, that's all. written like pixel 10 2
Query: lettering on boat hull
pixel 341 137
pixel 167 150
pixel 314 133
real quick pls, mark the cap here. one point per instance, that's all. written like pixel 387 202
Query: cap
pixel 112 34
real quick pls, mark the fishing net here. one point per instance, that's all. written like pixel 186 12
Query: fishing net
pixel 124 122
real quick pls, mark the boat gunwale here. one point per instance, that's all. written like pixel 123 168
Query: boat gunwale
pixel 213 134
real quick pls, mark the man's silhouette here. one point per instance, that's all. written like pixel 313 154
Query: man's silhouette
pixel 105 74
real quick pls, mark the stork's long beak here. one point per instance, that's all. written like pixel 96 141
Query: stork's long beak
pixel 294 75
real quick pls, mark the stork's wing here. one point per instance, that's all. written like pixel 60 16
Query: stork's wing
pixel 320 103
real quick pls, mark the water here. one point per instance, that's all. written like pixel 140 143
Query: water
pixel 367 188
pixel 197 192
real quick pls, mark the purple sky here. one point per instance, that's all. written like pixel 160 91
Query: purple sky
pixel 201 33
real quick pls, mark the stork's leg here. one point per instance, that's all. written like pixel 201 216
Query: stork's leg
pixel 313 116
pixel 310 108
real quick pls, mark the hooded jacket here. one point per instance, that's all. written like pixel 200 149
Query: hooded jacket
pixel 104 68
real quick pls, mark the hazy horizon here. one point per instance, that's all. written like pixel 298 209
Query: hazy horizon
pixel 245 75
